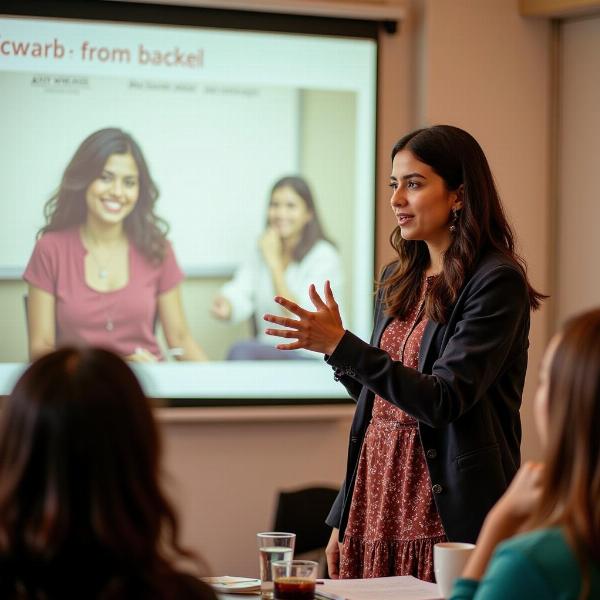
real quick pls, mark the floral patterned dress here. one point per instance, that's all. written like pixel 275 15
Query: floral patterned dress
pixel 393 522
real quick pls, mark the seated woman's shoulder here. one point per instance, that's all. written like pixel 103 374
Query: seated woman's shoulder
pixel 324 249
pixel 532 540
pixel 548 552
pixel 548 548
pixel 61 238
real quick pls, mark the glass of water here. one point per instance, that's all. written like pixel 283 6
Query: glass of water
pixel 273 545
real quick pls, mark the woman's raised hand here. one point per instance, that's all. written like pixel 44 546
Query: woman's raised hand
pixel 319 331
pixel 221 308
pixel 271 246
pixel 520 499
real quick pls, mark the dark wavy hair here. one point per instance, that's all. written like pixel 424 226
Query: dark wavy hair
pixel 79 478
pixel 313 230
pixel 481 225
pixel 571 481
pixel 67 207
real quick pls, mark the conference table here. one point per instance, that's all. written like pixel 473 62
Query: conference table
pixel 381 588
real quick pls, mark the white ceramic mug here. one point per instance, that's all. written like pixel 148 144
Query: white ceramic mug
pixel 449 560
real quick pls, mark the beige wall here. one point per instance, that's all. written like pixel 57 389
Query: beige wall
pixel 226 473
pixel 396 104
pixel 578 210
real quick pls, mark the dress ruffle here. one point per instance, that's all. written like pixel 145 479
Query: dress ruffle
pixel 383 558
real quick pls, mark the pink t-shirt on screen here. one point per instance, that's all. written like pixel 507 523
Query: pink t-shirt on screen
pixel 121 320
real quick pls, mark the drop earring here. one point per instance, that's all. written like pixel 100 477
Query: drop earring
pixel 453 225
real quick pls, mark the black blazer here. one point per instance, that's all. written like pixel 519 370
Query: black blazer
pixel 465 395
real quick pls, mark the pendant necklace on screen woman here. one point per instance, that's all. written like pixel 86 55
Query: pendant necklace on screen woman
pixel 103 271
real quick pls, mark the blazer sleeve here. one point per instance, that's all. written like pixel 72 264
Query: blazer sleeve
pixel 334 517
pixel 353 387
pixel 346 374
pixel 495 314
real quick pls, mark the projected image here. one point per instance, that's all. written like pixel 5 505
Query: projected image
pixel 199 166
pixel 156 209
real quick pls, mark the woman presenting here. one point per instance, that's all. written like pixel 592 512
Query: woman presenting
pixel 292 252
pixel 102 269
pixel 436 434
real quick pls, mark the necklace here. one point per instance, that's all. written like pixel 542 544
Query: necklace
pixel 103 273
pixel 419 314
pixel 102 268
pixel 109 325
pixel 416 320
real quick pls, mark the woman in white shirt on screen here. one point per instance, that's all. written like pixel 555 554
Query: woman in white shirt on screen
pixel 292 253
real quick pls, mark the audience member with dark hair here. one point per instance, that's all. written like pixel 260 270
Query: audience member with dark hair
pixel 436 434
pixel 292 252
pixel 82 512
pixel 556 502
pixel 102 272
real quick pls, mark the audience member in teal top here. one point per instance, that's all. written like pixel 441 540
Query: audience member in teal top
pixel 554 505
pixel 539 565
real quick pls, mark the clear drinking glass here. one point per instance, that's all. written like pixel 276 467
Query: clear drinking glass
pixel 294 579
pixel 272 546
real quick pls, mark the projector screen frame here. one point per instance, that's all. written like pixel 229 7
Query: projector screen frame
pixel 196 16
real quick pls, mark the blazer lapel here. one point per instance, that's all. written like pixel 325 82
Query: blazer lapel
pixel 428 335
pixel 378 330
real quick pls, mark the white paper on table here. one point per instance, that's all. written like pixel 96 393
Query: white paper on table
pixel 378 588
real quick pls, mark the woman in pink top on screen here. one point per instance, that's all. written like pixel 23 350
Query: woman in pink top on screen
pixel 102 269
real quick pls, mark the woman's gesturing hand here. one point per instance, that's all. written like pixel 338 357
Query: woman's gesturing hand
pixel 319 331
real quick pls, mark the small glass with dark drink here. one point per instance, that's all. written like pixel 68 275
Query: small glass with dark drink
pixel 294 579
